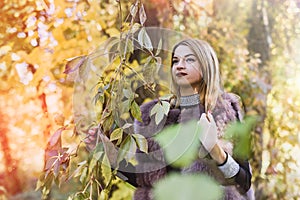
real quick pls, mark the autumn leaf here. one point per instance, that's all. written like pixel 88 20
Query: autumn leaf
pixel 74 63
pixel 56 137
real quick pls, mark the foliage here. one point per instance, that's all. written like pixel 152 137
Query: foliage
pixel 114 97
pixel 189 186
pixel 180 143
pixel 38 37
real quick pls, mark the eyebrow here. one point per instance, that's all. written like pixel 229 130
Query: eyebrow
pixel 184 56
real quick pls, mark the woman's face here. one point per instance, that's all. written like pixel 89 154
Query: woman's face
pixel 186 68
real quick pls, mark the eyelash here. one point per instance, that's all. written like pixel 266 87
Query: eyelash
pixel 188 60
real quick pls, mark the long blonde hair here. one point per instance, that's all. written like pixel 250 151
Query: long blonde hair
pixel 210 88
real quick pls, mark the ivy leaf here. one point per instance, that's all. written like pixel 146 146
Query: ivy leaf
pixel 136 111
pixel 141 142
pixel 180 143
pixel 142 13
pixel 188 186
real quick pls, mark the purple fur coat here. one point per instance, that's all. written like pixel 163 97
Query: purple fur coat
pixel 153 164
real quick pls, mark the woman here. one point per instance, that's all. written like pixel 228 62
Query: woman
pixel 197 85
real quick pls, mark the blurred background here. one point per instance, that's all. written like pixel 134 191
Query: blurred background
pixel 257 42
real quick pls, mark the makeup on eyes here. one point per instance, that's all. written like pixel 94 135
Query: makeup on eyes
pixel 189 58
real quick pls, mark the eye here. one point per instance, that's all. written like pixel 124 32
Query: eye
pixel 190 60
pixel 175 61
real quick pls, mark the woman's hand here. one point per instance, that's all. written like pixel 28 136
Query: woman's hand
pixel 218 154
pixel 91 138
pixel 208 138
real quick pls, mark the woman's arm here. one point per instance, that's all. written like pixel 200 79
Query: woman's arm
pixel 232 168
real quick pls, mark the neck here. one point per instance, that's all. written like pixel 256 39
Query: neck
pixel 188 91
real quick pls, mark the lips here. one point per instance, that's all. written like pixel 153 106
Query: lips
pixel 181 74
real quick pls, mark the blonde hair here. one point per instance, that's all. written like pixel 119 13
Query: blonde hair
pixel 210 87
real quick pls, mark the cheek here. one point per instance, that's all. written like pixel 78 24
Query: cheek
pixel 173 72
pixel 196 71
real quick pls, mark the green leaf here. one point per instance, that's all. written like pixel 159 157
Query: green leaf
pixel 158 64
pixel 160 110
pixel 48 181
pixel 135 111
pixel 166 107
pixel 147 42
pixel 127 93
pixel 79 169
pixel 107 121
pixel 180 143
pixel 144 39
pixel 159 116
pixel 98 155
pixel 189 186
pixel 40 181
pixel 127 149
pixel 92 165
pixel 141 142
pixel 240 132
pixel 106 170
pixel 158 47
pixel 83 175
pixel 116 134
pixel 133 9
pixel 143 16
pixel 149 70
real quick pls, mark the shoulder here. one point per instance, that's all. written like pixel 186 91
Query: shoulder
pixel 234 102
pixel 146 109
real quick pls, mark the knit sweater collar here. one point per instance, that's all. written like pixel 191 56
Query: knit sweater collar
pixel 191 100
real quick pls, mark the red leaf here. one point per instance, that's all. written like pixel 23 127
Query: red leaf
pixel 56 137
pixel 74 63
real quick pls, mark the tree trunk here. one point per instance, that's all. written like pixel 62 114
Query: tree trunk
pixel 259 41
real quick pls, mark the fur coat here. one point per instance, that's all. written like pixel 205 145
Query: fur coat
pixel 152 166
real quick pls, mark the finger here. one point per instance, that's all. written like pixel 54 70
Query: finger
pixel 204 124
pixel 92 131
pixel 87 140
pixel 211 118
